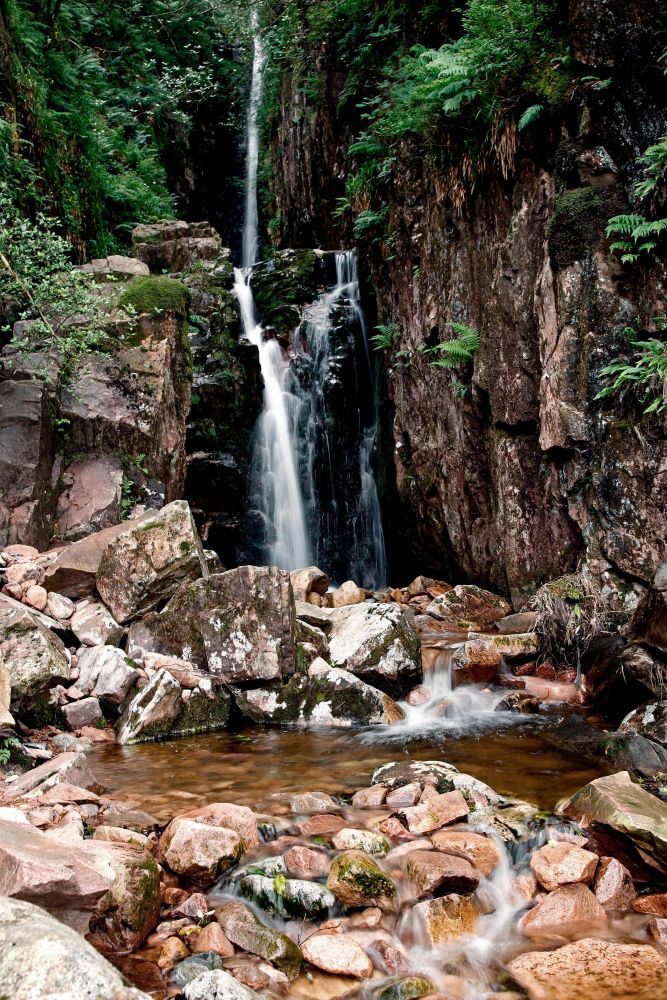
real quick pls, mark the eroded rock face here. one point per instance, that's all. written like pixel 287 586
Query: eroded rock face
pixel 377 643
pixel 40 957
pixel 91 497
pixel 143 567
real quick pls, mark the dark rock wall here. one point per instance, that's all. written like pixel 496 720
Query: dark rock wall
pixel 510 473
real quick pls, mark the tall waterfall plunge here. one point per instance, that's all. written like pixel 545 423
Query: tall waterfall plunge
pixel 312 495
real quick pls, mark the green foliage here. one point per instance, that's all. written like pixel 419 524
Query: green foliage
pixel 654 160
pixel 98 91
pixel 386 336
pixel 639 235
pixel 530 116
pixel 458 351
pixel 8 744
pixel 36 273
pixel 156 295
pixel 643 375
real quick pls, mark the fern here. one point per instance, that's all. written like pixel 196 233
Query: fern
pixel 645 375
pixel 637 232
pixel 386 336
pixel 529 116
pixel 457 352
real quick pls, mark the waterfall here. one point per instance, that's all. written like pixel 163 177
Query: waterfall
pixel 312 495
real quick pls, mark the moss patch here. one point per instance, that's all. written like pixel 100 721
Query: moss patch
pixel 577 225
pixel 156 295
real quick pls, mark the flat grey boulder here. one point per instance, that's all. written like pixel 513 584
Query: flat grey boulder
pixel 42 958
pixel 377 643
pixel 142 568
pixel 237 626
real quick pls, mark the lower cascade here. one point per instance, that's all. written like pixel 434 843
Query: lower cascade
pixel 312 493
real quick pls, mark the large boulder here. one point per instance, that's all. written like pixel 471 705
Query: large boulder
pixel 59 876
pixel 129 910
pixel 174 245
pixel 327 696
pixel 198 851
pixel 34 657
pixel 591 969
pixel 6 718
pixel 238 626
pixel 72 571
pixel 40 957
pixel 468 607
pixel 620 811
pixel 377 643
pixel 104 672
pixel 153 711
pixel 94 625
pixel 142 568
pixel 91 496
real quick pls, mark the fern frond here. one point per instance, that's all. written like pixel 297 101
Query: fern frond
pixel 529 116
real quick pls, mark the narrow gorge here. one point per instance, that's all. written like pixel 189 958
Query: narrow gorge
pixel 333 500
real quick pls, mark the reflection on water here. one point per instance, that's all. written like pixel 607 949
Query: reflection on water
pixel 510 753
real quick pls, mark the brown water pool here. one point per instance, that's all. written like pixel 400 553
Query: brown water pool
pixel 516 758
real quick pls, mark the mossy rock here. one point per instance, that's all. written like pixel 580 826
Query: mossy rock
pixel 402 988
pixel 568 588
pixel 283 283
pixel 203 714
pixel 577 225
pixel 156 295
pixel 356 880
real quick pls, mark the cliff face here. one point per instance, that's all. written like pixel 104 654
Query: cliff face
pixel 510 473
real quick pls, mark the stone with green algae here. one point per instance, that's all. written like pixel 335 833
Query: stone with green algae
pixel 356 880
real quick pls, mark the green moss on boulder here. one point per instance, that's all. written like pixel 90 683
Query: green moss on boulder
pixel 156 295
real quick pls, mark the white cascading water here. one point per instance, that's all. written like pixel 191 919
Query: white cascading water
pixel 291 431
pixel 282 510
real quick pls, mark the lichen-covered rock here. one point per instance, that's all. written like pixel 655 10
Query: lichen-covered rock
pixel 40 957
pixel 152 712
pixel 142 568
pixel 349 839
pixel 238 626
pixel 244 929
pixel 437 773
pixel 648 720
pixel 378 644
pixel 200 852
pixel 356 880
pixel 35 658
pixel 468 607
pixel 328 697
